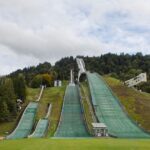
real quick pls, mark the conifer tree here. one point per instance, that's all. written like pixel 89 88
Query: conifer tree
pixel 20 87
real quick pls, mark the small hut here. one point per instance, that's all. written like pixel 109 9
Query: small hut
pixel 100 129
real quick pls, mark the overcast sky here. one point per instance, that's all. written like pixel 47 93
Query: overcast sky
pixel 33 31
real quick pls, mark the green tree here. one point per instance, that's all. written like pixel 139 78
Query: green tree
pixel 4 112
pixel 20 87
pixel 43 79
pixel 8 109
pixel 47 80
pixel 9 96
pixel 37 81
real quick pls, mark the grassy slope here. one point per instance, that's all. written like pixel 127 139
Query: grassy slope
pixel 32 94
pixel 136 104
pixel 86 105
pixel 75 144
pixel 54 96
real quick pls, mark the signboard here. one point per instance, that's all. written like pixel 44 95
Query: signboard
pixel 136 80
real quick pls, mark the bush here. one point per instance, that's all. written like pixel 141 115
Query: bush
pixel 42 79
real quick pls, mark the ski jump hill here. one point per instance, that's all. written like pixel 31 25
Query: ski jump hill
pixel 72 121
pixel 108 109
pixel 27 120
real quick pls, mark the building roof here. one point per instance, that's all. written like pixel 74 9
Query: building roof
pixel 99 125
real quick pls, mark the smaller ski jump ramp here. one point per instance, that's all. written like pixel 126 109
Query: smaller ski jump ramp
pixel 40 129
pixel 26 122
pixel 41 126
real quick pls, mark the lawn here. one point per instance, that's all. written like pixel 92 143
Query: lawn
pixel 75 144
pixel 136 104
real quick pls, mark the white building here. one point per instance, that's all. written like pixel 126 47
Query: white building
pixel 57 83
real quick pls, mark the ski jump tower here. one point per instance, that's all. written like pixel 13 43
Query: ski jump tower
pixel 81 66
pixel 71 78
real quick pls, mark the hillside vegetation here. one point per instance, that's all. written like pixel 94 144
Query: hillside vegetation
pixel 136 104
pixel 87 106
pixel 123 66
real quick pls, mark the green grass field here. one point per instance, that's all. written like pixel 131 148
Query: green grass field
pixel 75 144
pixel 136 104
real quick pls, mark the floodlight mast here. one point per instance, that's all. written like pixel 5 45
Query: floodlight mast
pixel 71 76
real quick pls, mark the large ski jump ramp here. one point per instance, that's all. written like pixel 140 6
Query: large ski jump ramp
pixel 109 111
pixel 26 122
pixel 71 122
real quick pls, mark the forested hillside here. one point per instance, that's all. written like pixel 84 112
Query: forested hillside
pixel 36 75
pixel 123 66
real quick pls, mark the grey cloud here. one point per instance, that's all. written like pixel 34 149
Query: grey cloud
pixel 38 30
